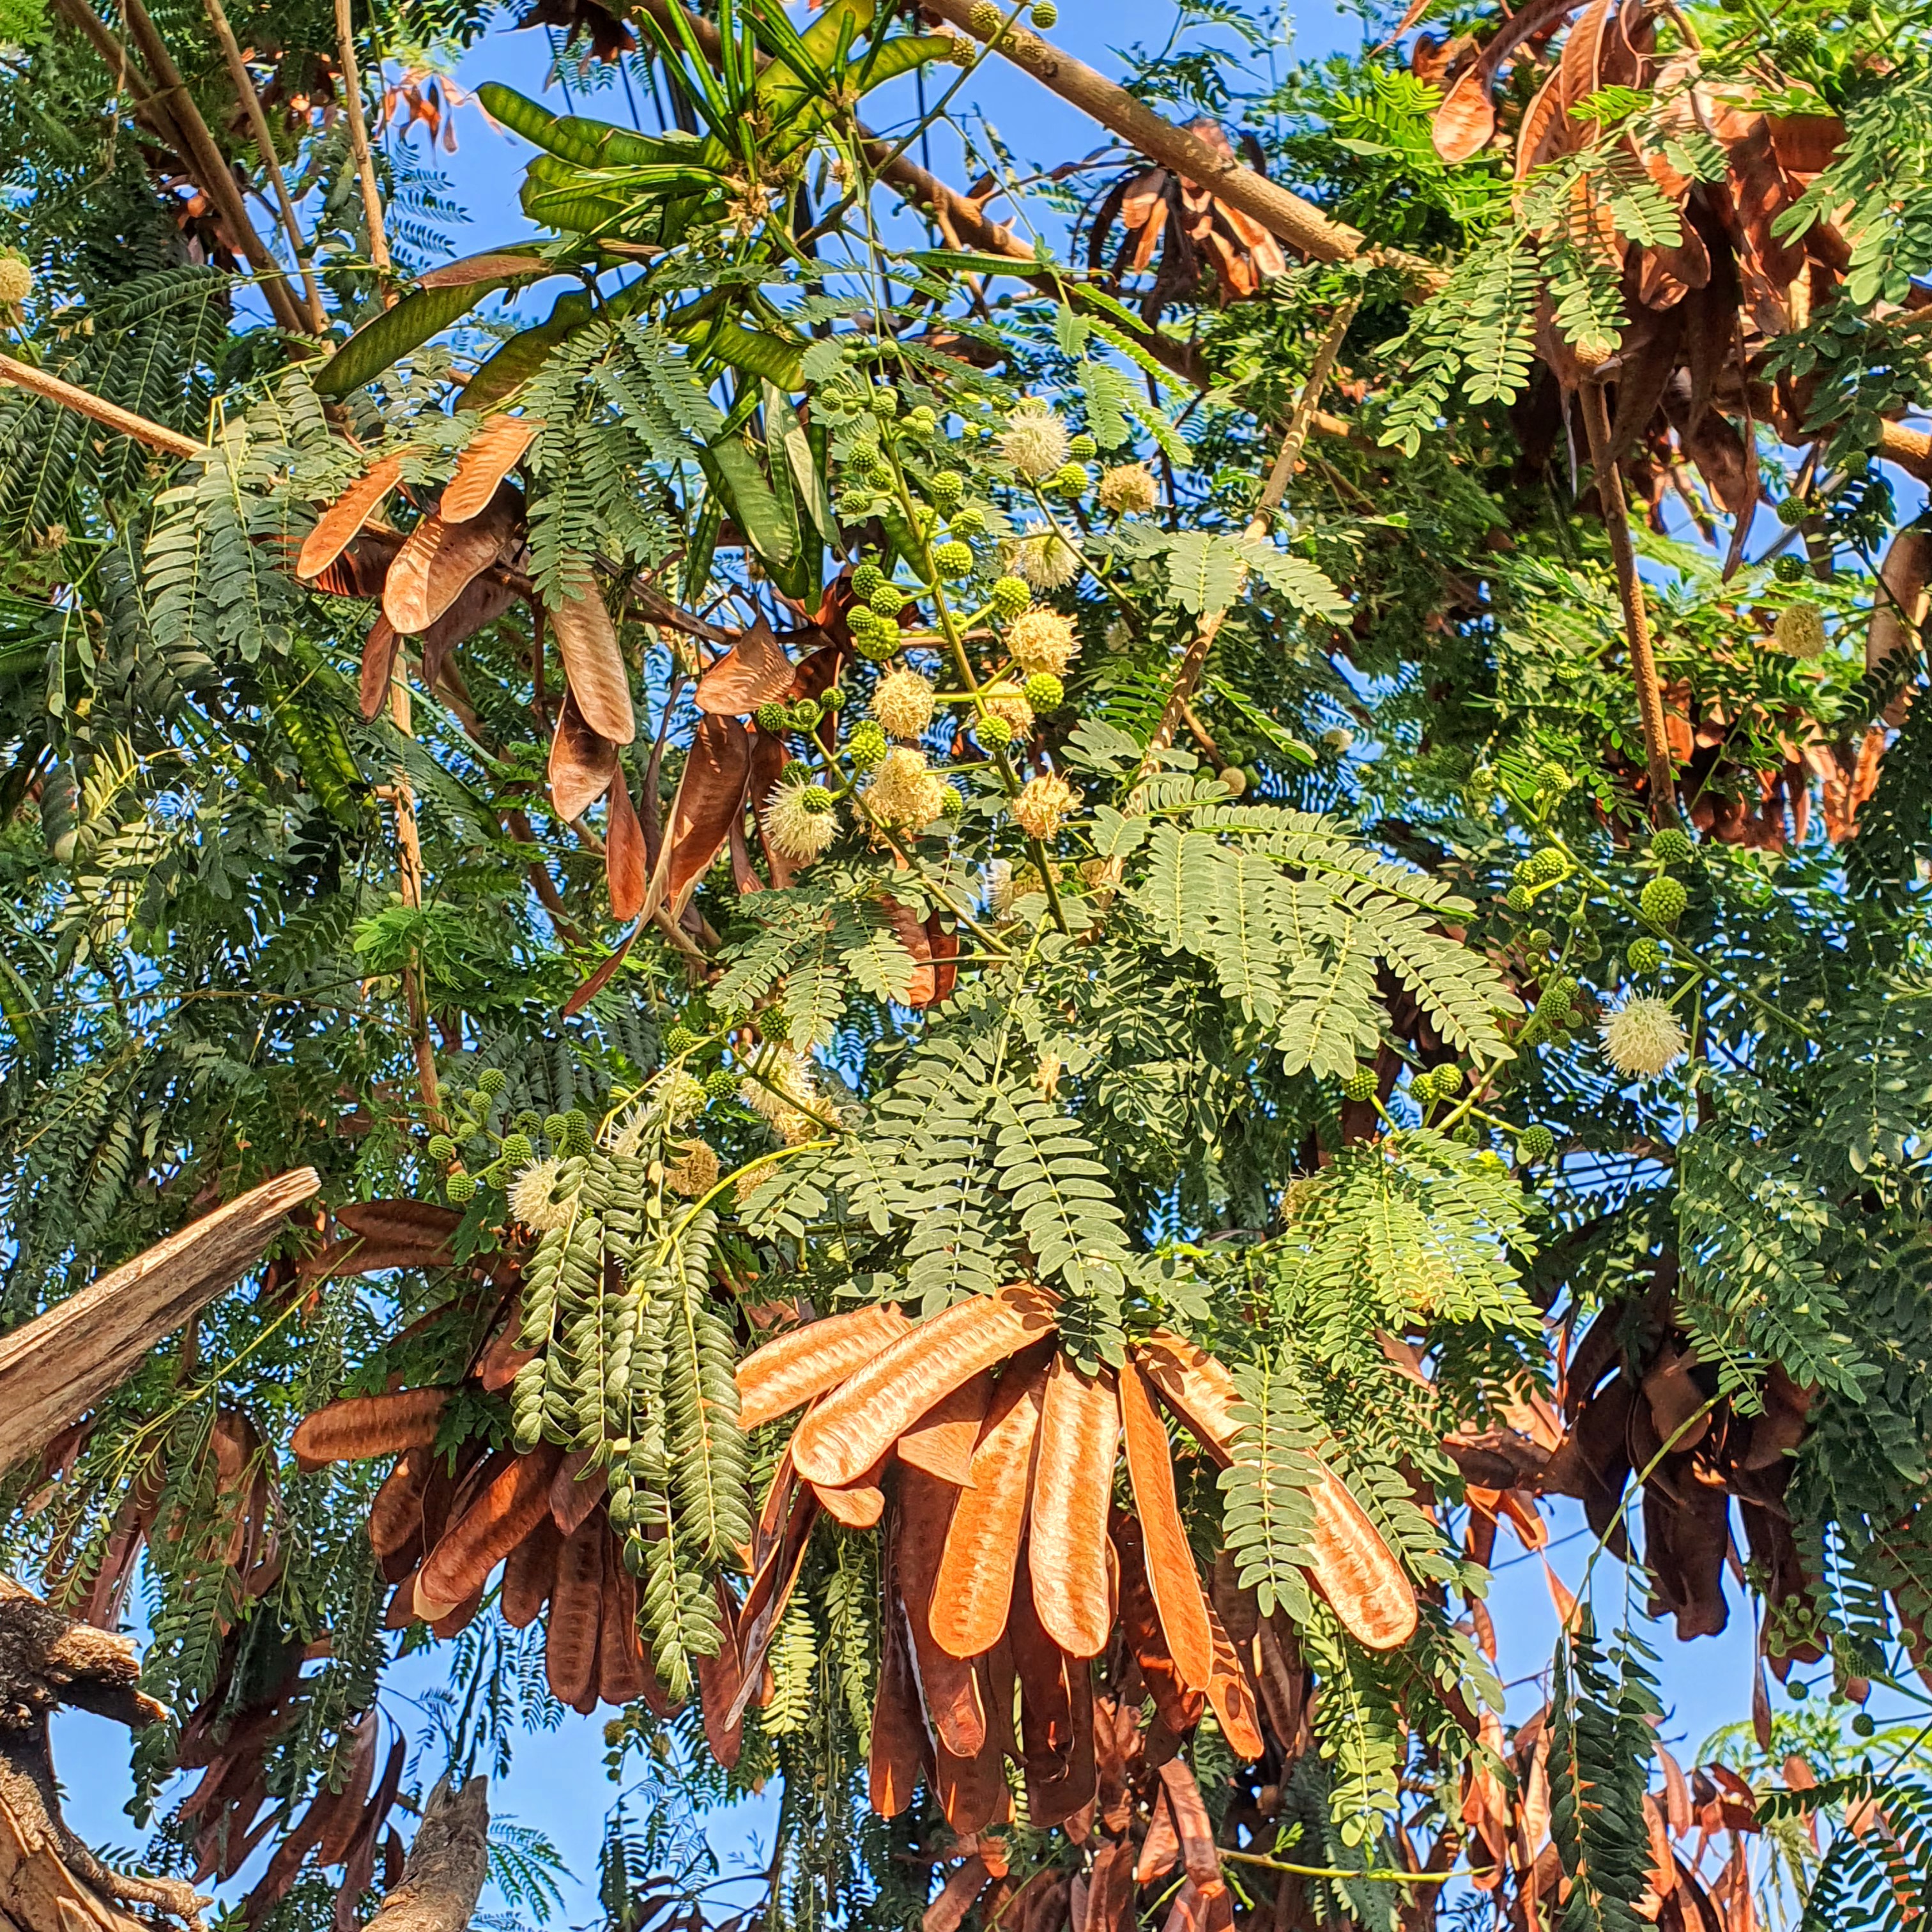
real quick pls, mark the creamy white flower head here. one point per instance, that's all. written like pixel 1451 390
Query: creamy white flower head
pixel 903 704
pixel 783 1085
pixel 1642 1037
pixel 1800 631
pixel 628 1136
pixel 1044 558
pixel 797 832
pixel 682 1096
pixel 999 886
pixel 530 1201
pixel 1002 700
pixel 903 792
pixel 1043 804
pixel 694 1172
pixel 1035 441
pixel 1128 488
pixel 1042 640
pixel 16 281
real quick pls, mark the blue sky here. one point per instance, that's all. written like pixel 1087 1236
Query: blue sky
pixel 558 1783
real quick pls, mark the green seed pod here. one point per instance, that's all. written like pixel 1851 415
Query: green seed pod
pixel 985 18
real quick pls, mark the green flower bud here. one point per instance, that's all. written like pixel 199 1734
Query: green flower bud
pixel 1550 776
pixel 1083 446
pixel 556 1126
pixel 1792 511
pixel 461 1189
pixel 1645 955
pixel 530 1121
pixel 991 731
pixel 1447 1081
pixel 816 799
pixel 1467 1134
pixel 1043 14
pixel 1671 846
pixel 442 1149
pixel 883 404
pixel 1069 480
pixel 1044 692
pixel 1559 995
pixel 1361 1083
pixel 769 719
pixel 866 579
pixel 967 522
pixel 1790 567
pixel 867 745
pixel 953 560
pixel 1662 903
pixel 720 1085
pixel 1549 866
pixel 680 1040
pixel 1534 1144
pixel 1517 899
pixel 577 1131
pixel 804 715
pixel 1011 596
pixel 888 601
pixel 518 1151
pixel 985 18
pixel 492 1081
pixel 877 646
pixel 946 488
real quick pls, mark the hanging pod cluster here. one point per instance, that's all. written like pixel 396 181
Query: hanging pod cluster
pixel 990 1458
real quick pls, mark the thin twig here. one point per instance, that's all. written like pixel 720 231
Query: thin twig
pixel 1636 618
pixel 359 147
pixel 258 121
pixel 1189 674
pixel 1371 1877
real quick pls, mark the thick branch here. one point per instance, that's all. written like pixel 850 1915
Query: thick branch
pixel 97 409
pixel 358 144
pixel 446 1865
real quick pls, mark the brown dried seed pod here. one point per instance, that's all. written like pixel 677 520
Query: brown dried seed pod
pixel 1072 1488
pixel 496 1521
pixel 576 1611
pixel 1172 1574
pixel 787 1371
pixel 361 1426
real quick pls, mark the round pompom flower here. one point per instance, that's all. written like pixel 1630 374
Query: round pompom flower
pixel 681 1096
pixel 695 1172
pixel 796 831
pixel 903 792
pixel 1643 1036
pixel 1003 702
pixel 1042 640
pixel 530 1201
pixel 16 281
pixel 1128 489
pixel 1044 558
pixel 1035 441
pixel 903 704
pixel 1044 804
pixel 1800 631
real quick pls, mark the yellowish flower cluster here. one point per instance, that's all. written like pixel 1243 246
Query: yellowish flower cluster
pixel 1044 558
pixel 1044 805
pixel 530 1198
pixel 796 833
pixel 903 704
pixel 1042 640
pixel 903 792
pixel 694 1172
pixel 1128 489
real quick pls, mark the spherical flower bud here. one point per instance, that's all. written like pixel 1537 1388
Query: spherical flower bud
pixel 1799 632
pixel 1671 846
pixel 832 697
pixel 694 1172
pixel 887 601
pixel 680 1040
pixel 1034 441
pixel 951 801
pixel 517 1150
pixel 1042 640
pixel 1642 1037
pixel 1046 558
pixel 577 1131
pixel 1069 480
pixel 1044 805
pixel 16 280
pixel 867 745
pixel 1127 489
pixel 720 1085
pixel 1234 778
pixel 866 579
pixel 816 798
pixel 1662 902
pixel 442 1149
pixel 1549 866
pixel 1550 776
pixel 804 715
pixel 1534 1144
pixel 883 404
pixel 1361 1085
pixel 1003 701
pixel 770 719
pixel 557 1128
pixel 1083 448
pixel 863 462
pixel 1447 1081
pixel 1422 1088
pixel 796 831
pixel 967 522
pixel 1792 511
pixel 1011 596
pixel 530 1201
pixel 1043 14
pixel 1645 955
pixel 461 1189
pixel 993 730
pixel 492 1081
pixel 879 644
pixel 960 51
pixel 1790 568
pixel 903 704
pixel 1559 995
pixel 921 421
pixel 953 560
pixel 1044 692
pixel 945 487
pixel 1517 899
pixel 985 18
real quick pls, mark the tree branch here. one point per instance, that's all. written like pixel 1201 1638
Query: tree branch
pixel 97 408
pixel 359 147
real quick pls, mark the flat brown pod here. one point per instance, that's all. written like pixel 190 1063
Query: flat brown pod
pixel 1172 1574
pixel 951 1692
pixel 957 1895
pixel 488 456
pixel 1356 1570
pixel 1073 1491
pixel 857 1505
pixel 362 1426
pixel 493 1525
pixel 395 1516
pixel 973 1591
pixel 620 1651
pixel 530 1574
pixel 1195 1386
pixel 340 521
pixel 378 665
pixel 436 564
pixel 582 763
pixel 710 798
pixel 576 1611
pixel 1232 1694
pixel 900 1745
pixel 942 1440
pixel 754 671
pixel 593 662
pixel 788 1371
pixel 575 1490
pixel 625 872
pixel 855 1426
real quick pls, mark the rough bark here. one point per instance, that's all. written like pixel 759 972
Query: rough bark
pixel 54 1368
pixel 446 1865
pixel 49 1881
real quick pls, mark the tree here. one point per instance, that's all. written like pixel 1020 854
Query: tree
pixel 934 1009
